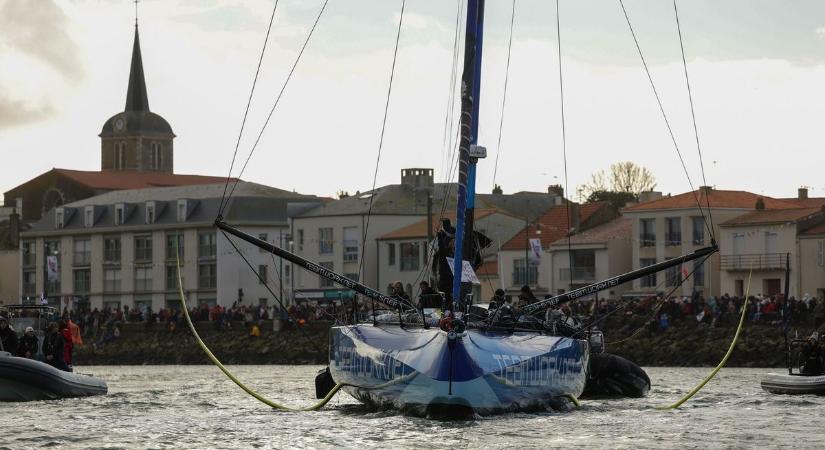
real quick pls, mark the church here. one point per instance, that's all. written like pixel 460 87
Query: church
pixel 136 151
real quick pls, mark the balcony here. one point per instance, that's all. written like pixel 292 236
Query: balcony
pixel 647 240
pixel 673 238
pixel 579 274
pixel 522 277
pixel 756 261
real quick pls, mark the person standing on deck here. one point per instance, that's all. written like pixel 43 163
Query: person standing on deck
pixel 8 338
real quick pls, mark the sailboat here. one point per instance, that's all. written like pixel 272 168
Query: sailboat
pixel 466 362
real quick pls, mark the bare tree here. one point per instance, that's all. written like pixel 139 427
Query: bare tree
pixel 626 177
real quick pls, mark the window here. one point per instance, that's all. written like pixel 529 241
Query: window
pixel 325 241
pixel 698 273
pixel 673 231
pixel 286 273
pixel 207 276
pixel 264 237
pixel 156 156
pixel 647 232
pixel 143 278
pixel 143 248
pixel 172 278
pixel 698 230
pixel 738 243
pixel 111 250
pixel 324 282
pixel 181 210
pixel 649 280
pixel 673 275
pixel 820 255
pixel 120 214
pixel 522 276
pixel 150 212
pixel 391 253
pixel 350 244
pixel 82 252
pixel 771 244
pixel 300 240
pixel 262 274
pixel 111 280
pixel 29 253
pixel 89 217
pixel 29 283
pixel 207 248
pixel 174 245
pixel 82 281
pixel 410 255
pixel 58 218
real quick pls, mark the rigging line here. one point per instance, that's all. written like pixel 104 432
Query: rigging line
pixel 693 116
pixel 664 115
pixel 248 103
pixel 504 95
pixel 381 138
pixel 451 89
pixel 564 148
pixel 277 100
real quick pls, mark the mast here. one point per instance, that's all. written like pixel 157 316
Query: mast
pixel 785 312
pixel 470 91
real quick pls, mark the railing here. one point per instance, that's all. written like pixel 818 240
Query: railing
pixel 757 261
pixel 579 273
pixel 698 238
pixel 522 277
pixel 350 251
pixel 82 258
pixel 673 238
pixel 647 240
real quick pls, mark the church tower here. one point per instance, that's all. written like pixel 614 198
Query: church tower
pixel 137 139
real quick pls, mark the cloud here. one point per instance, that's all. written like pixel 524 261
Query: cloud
pixel 820 32
pixel 14 112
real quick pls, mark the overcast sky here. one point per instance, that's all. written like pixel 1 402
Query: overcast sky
pixel 757 71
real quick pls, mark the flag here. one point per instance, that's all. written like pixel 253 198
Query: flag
pixel 535 252
pixel 52 269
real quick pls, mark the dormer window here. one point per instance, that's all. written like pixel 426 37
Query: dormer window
pixel 150 212
pixel 182 211
pixel 59 216
pixel 89 217
pixel 120 213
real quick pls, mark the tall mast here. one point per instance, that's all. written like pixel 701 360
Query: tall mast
pixel 470 91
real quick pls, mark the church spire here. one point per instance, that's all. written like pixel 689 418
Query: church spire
pixel 136 98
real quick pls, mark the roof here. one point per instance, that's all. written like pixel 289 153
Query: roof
pixel 763 217
pixel 811 202
pixel 554 225
pixel 621 227
pixel 419 229
pixel 251 203
pixel 814 231
pixel 716 198
pixel 136 98
pixel 110 180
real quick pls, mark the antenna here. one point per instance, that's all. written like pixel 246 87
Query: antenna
pixel 136 11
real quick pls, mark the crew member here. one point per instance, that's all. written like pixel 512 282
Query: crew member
pixel 68 344
pixel 28 344
pixel 8 338
pixel 53 347
pixel 812 357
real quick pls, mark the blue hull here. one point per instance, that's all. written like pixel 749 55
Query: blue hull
pixel 423 372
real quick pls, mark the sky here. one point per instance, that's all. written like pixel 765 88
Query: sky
pixel 756 67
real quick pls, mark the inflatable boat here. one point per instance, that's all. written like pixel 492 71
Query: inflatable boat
pixel 23 379
pixel 796 384
pixel 611 376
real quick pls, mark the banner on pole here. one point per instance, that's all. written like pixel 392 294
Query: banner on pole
pixel 535 252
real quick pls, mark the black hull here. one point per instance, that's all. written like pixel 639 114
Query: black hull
pixel 24 380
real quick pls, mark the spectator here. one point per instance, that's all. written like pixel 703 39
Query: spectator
pixel 8 338
pixel 28 344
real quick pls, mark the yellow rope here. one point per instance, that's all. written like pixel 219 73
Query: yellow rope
pixel 727 355
pixel 229 374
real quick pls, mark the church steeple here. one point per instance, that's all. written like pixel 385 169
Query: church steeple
pixel 136 98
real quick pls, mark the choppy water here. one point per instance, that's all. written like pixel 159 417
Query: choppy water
pixel 197 407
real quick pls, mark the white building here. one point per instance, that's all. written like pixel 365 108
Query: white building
pixel 119 248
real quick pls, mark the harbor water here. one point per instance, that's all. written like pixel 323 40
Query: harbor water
pixel 198 407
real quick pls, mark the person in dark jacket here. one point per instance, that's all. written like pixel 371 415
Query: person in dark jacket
pixel 28 344
pixel 53 347
pixel 8 338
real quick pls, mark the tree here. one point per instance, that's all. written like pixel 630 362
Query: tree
pixel 624 177
pixel 617 199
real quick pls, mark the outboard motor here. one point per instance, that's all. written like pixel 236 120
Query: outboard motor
pixel 323 383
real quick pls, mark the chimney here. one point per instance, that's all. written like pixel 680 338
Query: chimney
pixel 760 203
pixel 649 196
pixel 556 189
pixel 497 190
pixel 14 228
pixel 802 193
pixel 417 178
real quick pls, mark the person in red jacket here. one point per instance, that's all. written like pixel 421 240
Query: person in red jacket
pixel 68 345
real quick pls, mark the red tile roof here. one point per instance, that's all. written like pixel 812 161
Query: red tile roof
pixel 717 198
pixel 815 231
pixel 619 228
pixel 419 229
pixel 116 180
pixel 554 226
pixel 772 216
pixel 811 202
